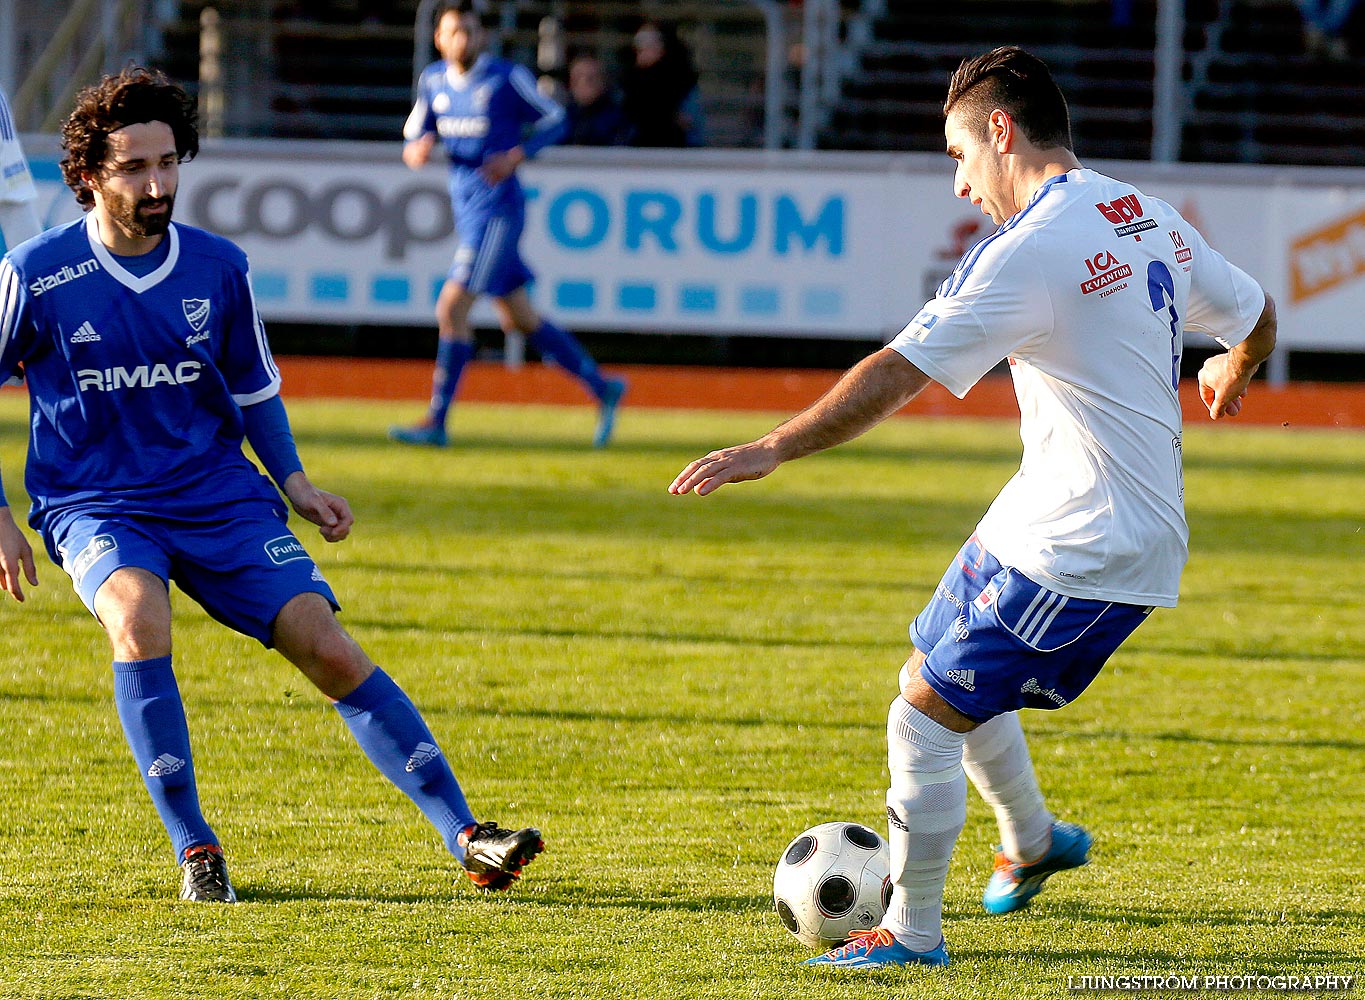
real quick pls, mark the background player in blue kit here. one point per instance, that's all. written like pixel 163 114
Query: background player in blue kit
pixel 1087 288
pixel 146 365
pixel 478 107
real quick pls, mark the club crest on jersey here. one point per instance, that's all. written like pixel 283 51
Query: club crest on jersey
pixel 440 103
pixel 196 313
pixel 480 98
pixel 1105 270
pixel 1126 213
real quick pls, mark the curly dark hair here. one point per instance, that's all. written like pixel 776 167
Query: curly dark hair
pixel 131 97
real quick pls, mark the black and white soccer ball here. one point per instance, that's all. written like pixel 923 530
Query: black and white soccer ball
pixel 832 880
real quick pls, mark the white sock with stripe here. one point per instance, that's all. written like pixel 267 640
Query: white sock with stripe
pixel 926 808
pixel 997 760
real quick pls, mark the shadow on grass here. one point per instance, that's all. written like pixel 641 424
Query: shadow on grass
pixel 556 896
pixel 619 574
pixel 892 642
pixel 1132 738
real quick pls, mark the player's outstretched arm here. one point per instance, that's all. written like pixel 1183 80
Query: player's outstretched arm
pixel 867 394
pixel 16 555
pixel 1224 378
pixel 331 513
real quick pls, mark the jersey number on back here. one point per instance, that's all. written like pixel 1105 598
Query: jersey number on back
pixel 1161 288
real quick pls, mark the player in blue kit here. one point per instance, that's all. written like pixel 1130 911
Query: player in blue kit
pixel 147 366
pixel 479 108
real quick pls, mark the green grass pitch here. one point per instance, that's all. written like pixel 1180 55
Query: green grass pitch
pixel 672 688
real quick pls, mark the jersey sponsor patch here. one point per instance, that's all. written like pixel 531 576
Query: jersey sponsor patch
pixel 46 282
pixel 141 377
pixel 1105 270
pixel 1127 213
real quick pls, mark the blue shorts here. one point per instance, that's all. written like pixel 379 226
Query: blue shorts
pixel 487 261
pixel 996 641
pixel 241 570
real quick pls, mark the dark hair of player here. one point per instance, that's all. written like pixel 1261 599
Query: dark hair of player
pixel 1017 83
pixel 132 97
pixel 460 7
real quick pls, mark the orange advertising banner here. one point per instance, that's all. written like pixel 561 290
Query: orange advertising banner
pixel 1327 257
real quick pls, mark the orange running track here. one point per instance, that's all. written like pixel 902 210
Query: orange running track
pixel 1311 404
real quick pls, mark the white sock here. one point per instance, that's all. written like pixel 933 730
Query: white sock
pixel 926 808
pixel 997 760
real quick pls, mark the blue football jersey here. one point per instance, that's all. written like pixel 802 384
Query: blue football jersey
pixel 481 112
pixel 136 383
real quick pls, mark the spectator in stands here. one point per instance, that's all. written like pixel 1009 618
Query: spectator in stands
pixel 595 117
pixel 1324 26
pixel 657 88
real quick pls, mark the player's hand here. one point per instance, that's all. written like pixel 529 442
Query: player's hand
pixel 417 152
pixel 738 464
pixel 500 166
pixel 331 513
pixel 1222 387
pixel 15 555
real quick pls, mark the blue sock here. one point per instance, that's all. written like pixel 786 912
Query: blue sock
pixel 451 357
pixel 561 347
pixel 153 718
pixel 389 729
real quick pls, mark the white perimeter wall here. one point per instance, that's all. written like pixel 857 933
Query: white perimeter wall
pixel 729 242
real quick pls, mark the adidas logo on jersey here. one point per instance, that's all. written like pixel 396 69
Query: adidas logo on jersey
pixel 85 334
pixel 425 753
pixel 962 678
pixel 165 765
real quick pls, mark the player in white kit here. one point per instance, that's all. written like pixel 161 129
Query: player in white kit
pixel 1086 288
pixel 18 219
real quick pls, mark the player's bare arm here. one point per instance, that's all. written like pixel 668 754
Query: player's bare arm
pixel 417 152
pixel 331 513
pixel 867 394
pixel 1224 378
pixel 16 556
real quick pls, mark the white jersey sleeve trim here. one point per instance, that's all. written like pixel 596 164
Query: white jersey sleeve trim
pixel 260 395
pixel 118 272
pixel 11 300
pixel 551 113
pixel 272 388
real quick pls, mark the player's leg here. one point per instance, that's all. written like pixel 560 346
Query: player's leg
pixel 926 808
pixel 396 739
pixel 998 763
pixel 133 604
pixel 454 349
pixel 563 348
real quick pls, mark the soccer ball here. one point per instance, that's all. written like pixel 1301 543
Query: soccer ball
pixel 833 879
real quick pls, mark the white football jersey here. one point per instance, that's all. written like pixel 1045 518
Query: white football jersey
pixel 1087 292
pixel 16 183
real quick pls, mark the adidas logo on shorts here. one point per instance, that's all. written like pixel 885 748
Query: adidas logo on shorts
pixel 962 678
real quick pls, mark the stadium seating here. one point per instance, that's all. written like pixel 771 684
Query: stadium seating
pixel 1253 94
pixel 342 69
